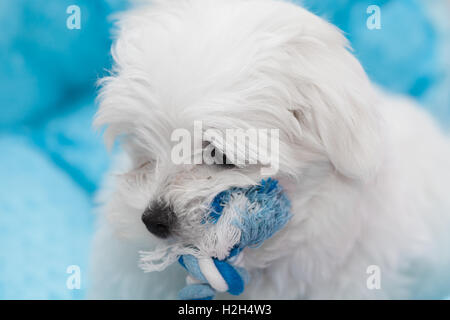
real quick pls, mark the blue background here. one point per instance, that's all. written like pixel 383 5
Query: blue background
pixel 52 161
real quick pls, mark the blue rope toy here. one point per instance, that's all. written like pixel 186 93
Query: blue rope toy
pixel 266 212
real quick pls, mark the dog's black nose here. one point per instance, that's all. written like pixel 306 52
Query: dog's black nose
pixel 159 219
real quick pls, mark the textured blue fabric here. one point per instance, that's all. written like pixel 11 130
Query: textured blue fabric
pixel 261 224
pixel 217 205
pixel 42 62
pixel 74 146
pixel 45 224
pixel 190 263
pixel 52 160
pixel 407 55
pixel 274 213
pixel 231 276
pixel 235 277
pixel 271 214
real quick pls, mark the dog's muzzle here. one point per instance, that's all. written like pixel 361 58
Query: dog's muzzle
pixel 159 219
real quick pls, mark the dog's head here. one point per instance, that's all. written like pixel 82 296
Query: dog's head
pixel 195 66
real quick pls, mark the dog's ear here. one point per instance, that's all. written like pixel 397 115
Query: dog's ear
pixel 349 130
pixel 338 103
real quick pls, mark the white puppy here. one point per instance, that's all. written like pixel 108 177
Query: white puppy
pixel 368 174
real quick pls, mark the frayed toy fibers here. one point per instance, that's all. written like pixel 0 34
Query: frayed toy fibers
pixel 266 211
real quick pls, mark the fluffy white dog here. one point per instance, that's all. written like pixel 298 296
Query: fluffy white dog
pixel 367 173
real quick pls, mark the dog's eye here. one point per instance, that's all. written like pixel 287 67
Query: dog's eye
pixel 222 160
pixel 137 174
pixel 142 166
pixel 226 163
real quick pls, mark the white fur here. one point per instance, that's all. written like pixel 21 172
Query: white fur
pixel 367 173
